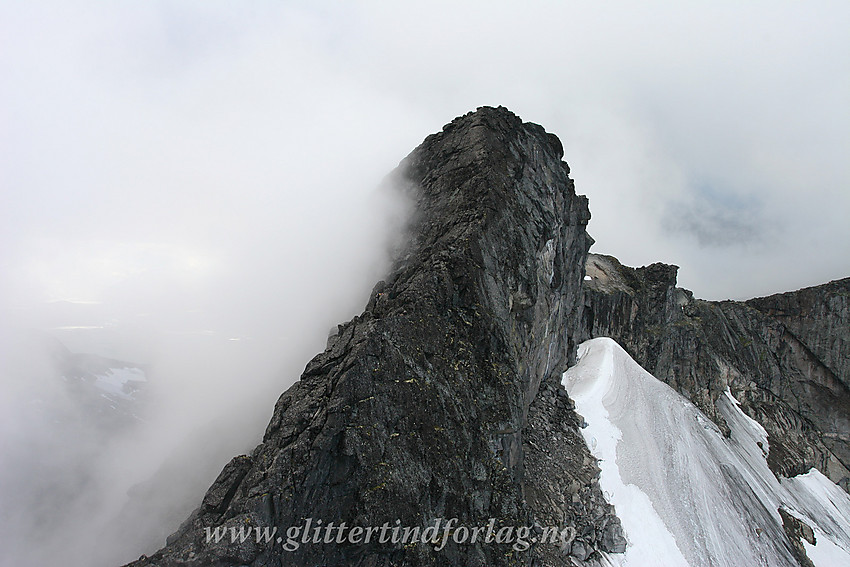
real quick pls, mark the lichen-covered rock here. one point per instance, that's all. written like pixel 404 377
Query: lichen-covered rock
pixel 443 399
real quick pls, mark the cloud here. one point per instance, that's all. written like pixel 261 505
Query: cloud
pixel 207 172
pixel 715 219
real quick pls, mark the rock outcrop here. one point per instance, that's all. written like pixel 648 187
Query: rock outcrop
pixel 443 398
pixel 784 357
pixel 820 317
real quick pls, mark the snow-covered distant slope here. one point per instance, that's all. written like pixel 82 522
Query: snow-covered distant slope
pixel 685 494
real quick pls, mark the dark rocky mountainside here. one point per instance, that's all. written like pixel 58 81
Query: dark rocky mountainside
pixel 443 399
pixel 784 357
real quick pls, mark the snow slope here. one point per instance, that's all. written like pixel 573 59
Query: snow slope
pixel 685 494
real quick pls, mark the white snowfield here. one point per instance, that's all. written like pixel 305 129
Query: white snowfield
pixel 686 495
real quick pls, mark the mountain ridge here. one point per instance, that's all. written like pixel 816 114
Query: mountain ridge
pixel 424 406
pixel 443 399
pixel 702 347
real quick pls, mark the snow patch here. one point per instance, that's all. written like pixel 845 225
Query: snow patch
pixel 647 535
pixel 825 552
pixel 685 494
pixel 822 505
pixel 749 426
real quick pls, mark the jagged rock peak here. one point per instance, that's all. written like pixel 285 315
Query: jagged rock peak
pixel 443 398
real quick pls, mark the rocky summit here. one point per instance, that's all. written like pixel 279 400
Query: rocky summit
pixel 443 400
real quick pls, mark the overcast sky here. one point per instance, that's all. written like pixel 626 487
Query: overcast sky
pixel 142 139
pixel 209 168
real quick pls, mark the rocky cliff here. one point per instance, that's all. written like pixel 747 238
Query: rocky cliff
pixel 820 317
pixel 784 357
pixel 443 398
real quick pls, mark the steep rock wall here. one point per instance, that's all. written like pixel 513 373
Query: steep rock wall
pixel 443 399
pixel 820 317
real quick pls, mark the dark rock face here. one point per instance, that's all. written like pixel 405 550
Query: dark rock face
pixel 443 399
pixel 820 317
pixel 783 357
pixel 796 530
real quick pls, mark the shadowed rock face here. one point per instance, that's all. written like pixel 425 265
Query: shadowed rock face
pixel 820 317
pixel 784 357
pixel 443 399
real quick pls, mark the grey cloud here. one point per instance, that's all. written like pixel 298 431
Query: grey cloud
pixel 716 222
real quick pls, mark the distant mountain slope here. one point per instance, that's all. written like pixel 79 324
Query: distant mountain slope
pixel 59 415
